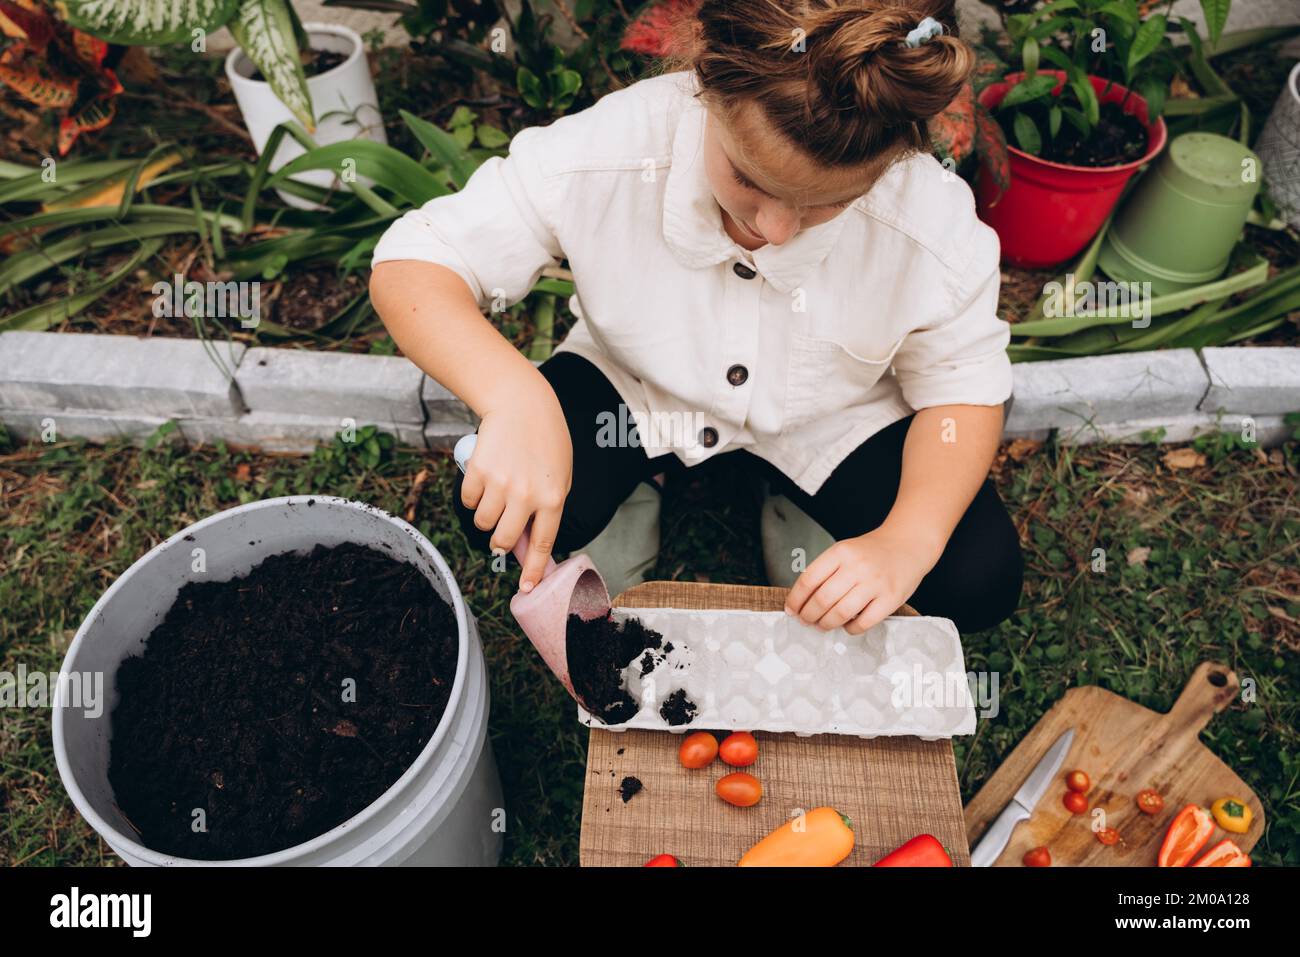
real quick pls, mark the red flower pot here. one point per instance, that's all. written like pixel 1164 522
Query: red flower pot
pixel 1052 210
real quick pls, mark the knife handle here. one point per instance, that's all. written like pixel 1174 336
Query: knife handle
pixel 998 836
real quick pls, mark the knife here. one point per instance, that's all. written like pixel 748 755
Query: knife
pixel 998 835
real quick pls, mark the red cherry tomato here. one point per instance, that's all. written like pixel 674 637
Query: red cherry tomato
pixel 663 860
pixel 1038 857
pixel 1149 801
pixel 739 749
pixel 740 789
pixel 1075 802
pixel 1108 836
pixel 1078 781
pixel 698 750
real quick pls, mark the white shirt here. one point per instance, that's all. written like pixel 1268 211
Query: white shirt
pixel 853 324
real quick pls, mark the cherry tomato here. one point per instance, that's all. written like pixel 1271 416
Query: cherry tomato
pixel 1075 802
pixel 1108 836
pixel 1038 857
pixel 698 750
pixel 663 860
pixel 740 789
pixel 740 749
pixel 1149 801
pixel 1078 781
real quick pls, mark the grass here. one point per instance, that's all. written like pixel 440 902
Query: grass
pixel 1201 563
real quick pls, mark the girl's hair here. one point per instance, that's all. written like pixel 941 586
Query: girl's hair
pixel 835 77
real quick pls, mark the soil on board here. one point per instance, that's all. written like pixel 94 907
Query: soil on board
pixel 629 787
pixel 280 704
pixel 1117 138
pixel 598 650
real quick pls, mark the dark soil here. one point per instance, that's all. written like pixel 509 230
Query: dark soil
pixel 239 705
pixel 314 62
pixel 678 709
pixel 598 650
pixel 1117 138
pixel 629 788
pixel 309 299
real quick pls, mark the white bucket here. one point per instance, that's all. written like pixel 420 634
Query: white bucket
pixel 343 101
pixel 446 808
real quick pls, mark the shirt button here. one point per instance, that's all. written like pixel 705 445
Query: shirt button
pixel 743 271
pixel 737 375
pixel 708 437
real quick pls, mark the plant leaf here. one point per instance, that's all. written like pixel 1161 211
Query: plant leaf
pixel 264 31
pixel 1027 134
pixel 1028 89
pixel 147 22
pixel 1147 39
pixel 444 147
pixel 1216 16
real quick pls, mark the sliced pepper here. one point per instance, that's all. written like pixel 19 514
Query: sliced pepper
pixel 1187 834
pixel 1233 814
pixel 1224 854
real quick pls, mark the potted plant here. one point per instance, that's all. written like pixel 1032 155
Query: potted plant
pixel 269 72
pixel 1079 128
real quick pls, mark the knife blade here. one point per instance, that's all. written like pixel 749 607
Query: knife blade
pixel 1022 805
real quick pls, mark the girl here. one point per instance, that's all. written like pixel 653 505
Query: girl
pixel 768 264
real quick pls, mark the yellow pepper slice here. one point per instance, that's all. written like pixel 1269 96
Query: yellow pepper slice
pixel 1232 814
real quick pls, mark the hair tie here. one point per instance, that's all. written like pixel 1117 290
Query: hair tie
pixel 927 29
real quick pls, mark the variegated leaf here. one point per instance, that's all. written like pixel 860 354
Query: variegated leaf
pixel 264 31
pixel 153 22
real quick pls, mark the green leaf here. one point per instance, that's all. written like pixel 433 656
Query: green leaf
pixel 264 31
pixel 41 317
pixel 1053 121
pixel 147 22
pixel 1216 16
pixel 491 137
pixel 387 167
pixel 1029 56
pixel 1147 40
pixel 1028 89
pixel 1027 134
pixel 443 147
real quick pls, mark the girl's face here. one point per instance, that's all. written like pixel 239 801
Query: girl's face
pixel 769 190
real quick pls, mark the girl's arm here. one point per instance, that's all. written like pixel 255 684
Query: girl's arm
pixel 861 581
pixel 523 463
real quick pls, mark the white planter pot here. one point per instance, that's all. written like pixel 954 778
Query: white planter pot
pixel 440 812
pixel 343 100
pixel 1279 150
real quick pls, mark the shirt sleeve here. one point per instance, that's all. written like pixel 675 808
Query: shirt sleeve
pixel 961 358
pixel 497 233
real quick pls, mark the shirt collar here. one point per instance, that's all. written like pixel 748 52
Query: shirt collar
pixel 692 219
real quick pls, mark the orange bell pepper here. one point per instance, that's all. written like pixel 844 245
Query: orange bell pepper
pixel 1224 854
pixel 821 838
pixel 1187 834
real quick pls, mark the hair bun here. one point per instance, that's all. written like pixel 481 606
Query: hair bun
pixel 861 60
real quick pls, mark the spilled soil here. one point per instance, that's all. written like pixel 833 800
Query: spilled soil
pixel 269 709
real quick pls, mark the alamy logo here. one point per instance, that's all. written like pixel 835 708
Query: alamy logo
pixel 1077 298
pixel 212 300
pixel 72 910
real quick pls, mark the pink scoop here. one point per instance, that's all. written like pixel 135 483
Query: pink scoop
pixel 572 586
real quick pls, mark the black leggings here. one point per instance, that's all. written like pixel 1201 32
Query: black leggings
pixel 976 581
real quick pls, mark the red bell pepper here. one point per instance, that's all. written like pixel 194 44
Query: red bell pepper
pixel 1187 834
pixel 1224 854
pixel 921 851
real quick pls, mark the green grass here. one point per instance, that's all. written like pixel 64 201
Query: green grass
pixel 1220 582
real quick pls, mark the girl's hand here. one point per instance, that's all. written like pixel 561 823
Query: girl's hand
pixel 521 469
pixel 860 582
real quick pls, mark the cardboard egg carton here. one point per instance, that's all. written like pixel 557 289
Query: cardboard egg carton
pixel 768 671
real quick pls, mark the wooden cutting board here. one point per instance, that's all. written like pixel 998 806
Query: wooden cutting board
pixel 891 788
pixel 1124 748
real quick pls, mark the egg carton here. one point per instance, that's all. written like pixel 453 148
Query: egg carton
pixel 769 671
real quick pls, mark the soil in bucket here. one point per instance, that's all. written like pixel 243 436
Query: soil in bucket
pixel 314 63
pixel 272 708
pixel 1117 138
pixel 598 650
